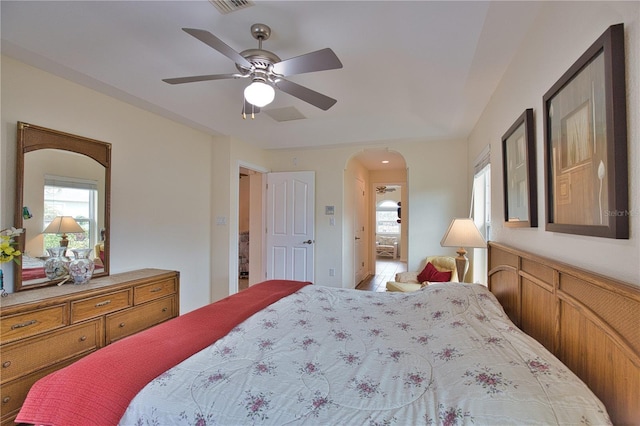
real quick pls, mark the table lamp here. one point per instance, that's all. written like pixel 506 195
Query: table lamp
pixel 462 233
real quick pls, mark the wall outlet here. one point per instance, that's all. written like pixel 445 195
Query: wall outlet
pixel 332 272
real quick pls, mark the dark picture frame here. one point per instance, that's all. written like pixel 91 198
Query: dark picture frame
pixel 585 132
pixel 519 173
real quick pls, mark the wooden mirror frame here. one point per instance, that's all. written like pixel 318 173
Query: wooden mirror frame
pixel 31 138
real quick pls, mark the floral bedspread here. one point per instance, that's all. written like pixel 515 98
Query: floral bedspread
pixel 446 354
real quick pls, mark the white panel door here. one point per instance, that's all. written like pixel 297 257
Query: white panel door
pixel 290 225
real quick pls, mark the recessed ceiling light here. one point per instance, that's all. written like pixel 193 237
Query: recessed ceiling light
pixel 385 161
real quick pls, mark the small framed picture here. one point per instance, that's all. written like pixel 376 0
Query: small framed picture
pixel 519 173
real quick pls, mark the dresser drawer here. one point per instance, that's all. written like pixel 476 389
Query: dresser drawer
pixel 38 321
pixel 146 292
pixel 133 320
pixel 12 394
pixel 24 357
pixel 104 304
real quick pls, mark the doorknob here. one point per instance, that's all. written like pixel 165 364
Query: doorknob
pixel 308 242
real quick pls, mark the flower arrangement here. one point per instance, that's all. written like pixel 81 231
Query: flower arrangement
pixel 8 251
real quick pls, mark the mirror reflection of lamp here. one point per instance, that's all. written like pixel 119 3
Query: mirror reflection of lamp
pixel 63 225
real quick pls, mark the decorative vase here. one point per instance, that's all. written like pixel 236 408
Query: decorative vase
pixel 56 265
pixel 81 267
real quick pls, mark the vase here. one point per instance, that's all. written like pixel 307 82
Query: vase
pixel 81 266
pixel 56 265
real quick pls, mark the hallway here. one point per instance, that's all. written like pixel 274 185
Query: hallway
pixel 386 270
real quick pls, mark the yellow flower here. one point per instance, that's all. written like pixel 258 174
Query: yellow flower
pixel 8 251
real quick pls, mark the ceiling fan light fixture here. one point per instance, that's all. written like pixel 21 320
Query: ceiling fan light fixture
pixel 259 93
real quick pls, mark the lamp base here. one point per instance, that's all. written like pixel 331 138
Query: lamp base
pixel 462 264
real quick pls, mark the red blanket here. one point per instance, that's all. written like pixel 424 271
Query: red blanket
pixel 97 389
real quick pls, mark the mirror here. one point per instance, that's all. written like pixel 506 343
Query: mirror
pixel 59 174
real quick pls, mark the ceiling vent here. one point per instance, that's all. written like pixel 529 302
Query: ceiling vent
pixel 228 6
pixel 284 114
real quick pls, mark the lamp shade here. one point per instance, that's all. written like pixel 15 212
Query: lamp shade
pixel 259 94
pixel 63 225
pixel 463 232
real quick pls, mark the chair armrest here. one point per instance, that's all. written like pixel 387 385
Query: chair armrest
pixel 407 277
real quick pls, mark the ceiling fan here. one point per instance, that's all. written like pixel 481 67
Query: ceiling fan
pixel 384 189
pixel 266 70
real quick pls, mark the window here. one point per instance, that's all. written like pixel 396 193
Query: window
pixel 77 198
pixel 482 213
pixel 387 218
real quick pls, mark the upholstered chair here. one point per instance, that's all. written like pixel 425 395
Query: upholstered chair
pixel 411 281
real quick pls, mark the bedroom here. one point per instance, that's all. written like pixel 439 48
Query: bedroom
pixel 153 215
pixel 139 238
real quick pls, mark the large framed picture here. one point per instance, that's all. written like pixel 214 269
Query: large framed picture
pixel 519 173
pixel 585 133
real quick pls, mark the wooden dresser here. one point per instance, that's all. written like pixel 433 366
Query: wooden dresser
pixel 43 330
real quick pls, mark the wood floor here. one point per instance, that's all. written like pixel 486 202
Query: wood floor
pixel 386 270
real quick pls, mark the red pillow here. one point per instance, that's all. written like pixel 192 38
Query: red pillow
pixel 430 273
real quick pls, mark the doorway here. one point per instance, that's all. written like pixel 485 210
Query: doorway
pixel 250 224
pixel 383 171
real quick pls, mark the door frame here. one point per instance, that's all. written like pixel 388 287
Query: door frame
pixel 234 248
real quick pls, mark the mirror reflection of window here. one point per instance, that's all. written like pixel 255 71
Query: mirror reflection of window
pixel 78 198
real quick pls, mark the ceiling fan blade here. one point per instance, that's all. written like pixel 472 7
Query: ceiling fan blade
pixel 195 78
pixel 209 39
pixel 320 60
pixel 310 96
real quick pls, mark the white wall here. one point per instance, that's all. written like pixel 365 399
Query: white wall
pixel 562 32
pixel 160 181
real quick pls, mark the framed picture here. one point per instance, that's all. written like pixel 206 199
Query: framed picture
pixel 585 143
pixel 519 173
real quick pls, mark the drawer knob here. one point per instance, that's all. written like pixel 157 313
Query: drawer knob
pixel 165 309
pixel 6 364
pixel 121 325
pixel 155 290
pixel 83 338
pixel 105 303
pixel 23 324
pixel 6 399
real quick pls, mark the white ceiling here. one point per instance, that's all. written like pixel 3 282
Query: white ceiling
pixel 412 70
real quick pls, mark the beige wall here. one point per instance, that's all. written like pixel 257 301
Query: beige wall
pixel 161 174
pixel 229 155
pixel 562 32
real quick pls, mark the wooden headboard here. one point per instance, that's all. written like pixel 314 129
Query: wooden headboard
pixel 590 322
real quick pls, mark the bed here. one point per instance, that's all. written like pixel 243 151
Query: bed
pixel 287 352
